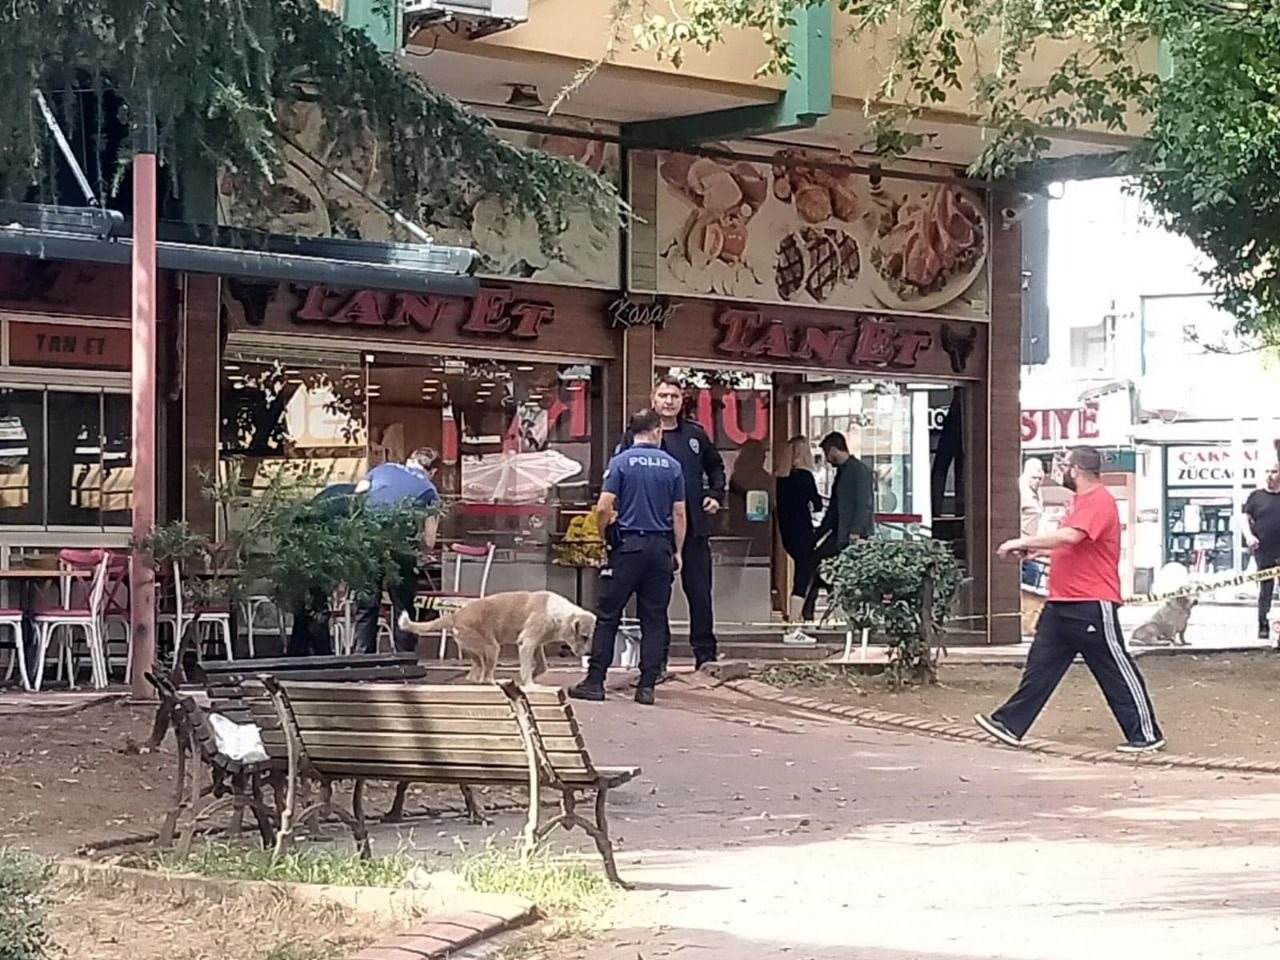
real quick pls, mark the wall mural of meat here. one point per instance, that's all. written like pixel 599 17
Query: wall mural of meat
pixel 801 230
pixel 308 202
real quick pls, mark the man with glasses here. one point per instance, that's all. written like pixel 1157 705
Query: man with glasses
pixel 1080 616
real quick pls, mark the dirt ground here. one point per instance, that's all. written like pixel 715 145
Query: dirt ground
pixel 91 924
pixel 1218 705
pixel 68 780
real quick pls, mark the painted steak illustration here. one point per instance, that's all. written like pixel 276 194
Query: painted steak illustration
pixel 789 270
pixel 824 257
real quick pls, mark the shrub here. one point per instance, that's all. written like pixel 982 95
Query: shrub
pixel 23 934
pixel 884 586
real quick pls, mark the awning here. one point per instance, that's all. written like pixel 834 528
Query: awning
pixel 61 233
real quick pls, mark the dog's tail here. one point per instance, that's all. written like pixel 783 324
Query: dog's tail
pixel 426 627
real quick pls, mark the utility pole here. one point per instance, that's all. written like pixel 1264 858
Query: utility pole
pixel 142 605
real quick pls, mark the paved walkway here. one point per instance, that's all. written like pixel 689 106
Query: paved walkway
pixel 759 835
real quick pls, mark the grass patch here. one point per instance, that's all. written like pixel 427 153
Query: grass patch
pixel 297 951
pixel 304 865
pixel 560 888
pixel 788 675
pixel 556 886
pixel 24 934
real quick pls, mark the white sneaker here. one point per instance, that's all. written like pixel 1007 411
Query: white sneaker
pixel 798 637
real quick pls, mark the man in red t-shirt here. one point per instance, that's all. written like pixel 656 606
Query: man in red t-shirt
pixel 1080 616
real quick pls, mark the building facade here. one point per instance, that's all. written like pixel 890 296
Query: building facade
pixel 1141 363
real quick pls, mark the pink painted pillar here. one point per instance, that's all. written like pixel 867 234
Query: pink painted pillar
pixel 142 608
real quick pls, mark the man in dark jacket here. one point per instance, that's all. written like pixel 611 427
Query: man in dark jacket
pixel 704 479
pixel 851 512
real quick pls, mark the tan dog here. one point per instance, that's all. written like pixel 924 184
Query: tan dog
pixel 531 619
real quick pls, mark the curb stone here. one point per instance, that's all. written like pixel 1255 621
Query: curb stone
pixel 952 731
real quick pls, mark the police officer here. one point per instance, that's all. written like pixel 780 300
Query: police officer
pixel 646 486
pixel 704 484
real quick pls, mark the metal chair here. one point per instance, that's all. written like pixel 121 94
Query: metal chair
pixel 12 618
pixel 115 598
pixel 68 619
pixel 219 618
pixel 461 554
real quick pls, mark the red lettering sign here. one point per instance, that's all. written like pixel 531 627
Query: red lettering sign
pixel 1061 425
pixel 871 342
pixel 494 312
pixel 69 345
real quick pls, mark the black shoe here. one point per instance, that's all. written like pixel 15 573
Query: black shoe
pixel 1264 633
pixel 997 730
pixel 644 695
pixel 700 662
pixel 587 690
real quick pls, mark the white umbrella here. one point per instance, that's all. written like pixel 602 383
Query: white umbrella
pixel 515 477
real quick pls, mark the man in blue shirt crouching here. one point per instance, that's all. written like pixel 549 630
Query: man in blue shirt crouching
pixel 646 486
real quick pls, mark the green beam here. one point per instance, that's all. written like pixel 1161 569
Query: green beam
pixel 806 100
pixel 379 19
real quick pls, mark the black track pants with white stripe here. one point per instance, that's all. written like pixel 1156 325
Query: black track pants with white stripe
pixel 1092 629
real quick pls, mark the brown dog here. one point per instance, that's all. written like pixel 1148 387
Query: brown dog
pixel 532 620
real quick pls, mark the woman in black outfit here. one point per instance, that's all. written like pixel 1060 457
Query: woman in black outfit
pixel 797 500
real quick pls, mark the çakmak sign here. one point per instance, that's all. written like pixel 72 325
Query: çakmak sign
pixel 1210 467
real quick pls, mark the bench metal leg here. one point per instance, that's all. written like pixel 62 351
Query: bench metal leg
pixel 475 813
pixel 568 818
pixel 396 813
pixel 601 836
pixel 531 823
pixel 170 826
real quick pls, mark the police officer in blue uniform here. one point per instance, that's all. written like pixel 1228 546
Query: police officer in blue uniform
pixel 646 486
pixel 704 484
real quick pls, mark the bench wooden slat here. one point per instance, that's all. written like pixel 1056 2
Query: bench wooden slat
pixel 482 694
pixel 320 755
pixel 443 724
pixel 429 772
pixel 425 711
pixel 428 742
pixel 272 664
pixel 344 674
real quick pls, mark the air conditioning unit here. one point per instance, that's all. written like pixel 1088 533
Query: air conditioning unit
pixel 470 18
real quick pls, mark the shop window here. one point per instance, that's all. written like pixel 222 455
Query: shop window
pixel 284 411
pixel 64 458
pixel 518 443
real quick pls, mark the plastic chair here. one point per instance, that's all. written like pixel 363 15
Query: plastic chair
pixel 461 554
pixel 12 618
pixel 217 617
pixel 115 597
pixel 67 619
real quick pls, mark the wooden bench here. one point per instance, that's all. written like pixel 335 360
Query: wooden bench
pixel 490 734
pixel 222 680
pixel 225 684
pixel 231 783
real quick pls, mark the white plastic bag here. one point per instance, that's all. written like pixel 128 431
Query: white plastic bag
pixel 239 741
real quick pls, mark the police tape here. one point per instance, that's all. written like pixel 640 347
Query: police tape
pixel 1194 589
